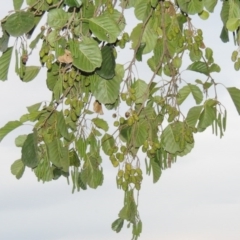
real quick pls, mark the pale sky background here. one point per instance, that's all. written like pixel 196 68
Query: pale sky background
pixel 197 199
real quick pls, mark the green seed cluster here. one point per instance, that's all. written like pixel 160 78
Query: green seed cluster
pixel 122 42
pixel 129 176
pixel 70 77
pixel 172 113
pixel 117 157
pixel 75 108
pixel 150 147
pixel 46 57
pixel 194 41
pixel 183 137
pixel 236 59
pixel 129 97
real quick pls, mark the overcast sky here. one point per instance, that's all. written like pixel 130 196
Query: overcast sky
pixel 198 198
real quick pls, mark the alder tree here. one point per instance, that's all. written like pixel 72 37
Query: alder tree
pixel 102 110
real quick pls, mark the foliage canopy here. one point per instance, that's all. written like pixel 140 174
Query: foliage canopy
pixel 71 134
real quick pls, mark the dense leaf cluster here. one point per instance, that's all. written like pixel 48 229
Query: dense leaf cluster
pixel 78 50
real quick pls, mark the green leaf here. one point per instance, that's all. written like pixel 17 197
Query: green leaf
pixel 10 126
pixel 64 160
pixel 96 179
pixel 44 171
pixel 106 92
pixel 73 3
pixel 207 116
pixel 234 9
pixel 17 4
pixel 149 37
pixel 225 12
pixel 200 67
pixel 91 173
pixel 30 73
pixel 193 115
pixel 214 68
pixel 4 41
pixel 183 94
pixel 54 150
pixel 81 184
pixel 235 95
pixel 19 141
pixel 210 4
pixel 232 24
pixel 224 35
pixel 129 211
pixel 39 5
pixel 81 146
pixel 100 123
pixel 32 117
pixel 52 77
pixel 141 91
pixel 86 55
pixel 35 107
pixel 118 18
pixel 183 4
pixel 57 18
pixel 73 159
pixel 117 225
pixel 17 168
pixel 107 143
pixel 140 51
pixel 168 139
pixel 29 151
pixel 140 131
pixel 188 148
pixel 195 6
pixel 104 28
pixel 156 170
pixel 34 42
pixel 5 63
pixel 62 126
pixel 19 23
pixel 196 92
pixel 142 9
pixel 224 120
pixel 107 69
pixel 58 89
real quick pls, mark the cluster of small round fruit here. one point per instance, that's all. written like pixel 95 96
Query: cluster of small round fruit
pixel 129 97
pixel 116 156
pixel 184 137
pixel 129 177
pixel 45 56
pixel 236 59
pixel 195 43
pixel 173 33
pixel 75 108
pixel 122 42
pixel 172 113
pixel 70 77
pixel 131 118
pixel 150 147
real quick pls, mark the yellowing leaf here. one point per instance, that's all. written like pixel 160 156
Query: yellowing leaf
pixel 97 107
pixel 66 57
